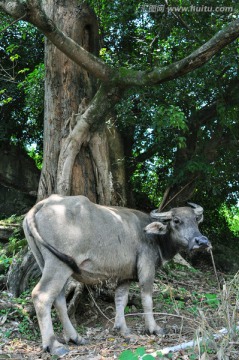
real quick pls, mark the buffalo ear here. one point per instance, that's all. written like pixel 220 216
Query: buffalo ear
pixel 156 228
pixel 199 219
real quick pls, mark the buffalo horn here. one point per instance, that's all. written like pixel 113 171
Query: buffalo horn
pixel 197 208
pixel 161 215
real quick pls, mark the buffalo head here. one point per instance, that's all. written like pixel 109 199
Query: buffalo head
pixel 181 225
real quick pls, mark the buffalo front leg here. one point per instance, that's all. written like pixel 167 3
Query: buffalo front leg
pixel 146 275
pixel 121 300
pixel 147 303
pixel 44 294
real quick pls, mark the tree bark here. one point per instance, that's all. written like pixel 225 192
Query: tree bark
pixel 23 269
pixel 76 151
pixel 66 84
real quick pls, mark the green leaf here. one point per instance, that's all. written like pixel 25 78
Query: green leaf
pixel 22 71
pixel 140 351
pixel 14 57
pixel 5 101
pixel 211 299
pixel 11 48
pixel 128 355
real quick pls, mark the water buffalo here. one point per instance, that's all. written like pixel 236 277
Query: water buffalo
pixel 71 236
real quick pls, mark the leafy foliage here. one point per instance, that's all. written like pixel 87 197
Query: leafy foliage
pixel 188 127
pixel 21 84
pixel 232 218
pixel 184 131
pixel 15 243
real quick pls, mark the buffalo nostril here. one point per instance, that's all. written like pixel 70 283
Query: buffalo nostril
pixel 202 241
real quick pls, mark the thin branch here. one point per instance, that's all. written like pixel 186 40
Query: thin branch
pixel 13 22
pixel 179 18
pixel 164 199
pixel 96 305
pixel 178 193
pixel 214 268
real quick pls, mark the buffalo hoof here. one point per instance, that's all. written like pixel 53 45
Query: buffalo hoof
pixel 59 351
pixel 124 331
pixel 56 348
pixel 157 331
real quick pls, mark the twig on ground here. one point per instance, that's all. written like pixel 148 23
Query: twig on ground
pixel 93 299
pixel 190 344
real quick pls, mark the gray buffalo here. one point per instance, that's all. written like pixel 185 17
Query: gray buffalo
pixel 71 236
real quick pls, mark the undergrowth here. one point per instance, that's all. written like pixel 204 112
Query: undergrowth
pixel 15 243
pixel 189 302
pixel 213 317
pixel 17 314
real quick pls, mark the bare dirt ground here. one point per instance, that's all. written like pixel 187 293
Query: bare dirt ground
pixel 188 304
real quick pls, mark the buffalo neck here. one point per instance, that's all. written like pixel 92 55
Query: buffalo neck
pixel 167 249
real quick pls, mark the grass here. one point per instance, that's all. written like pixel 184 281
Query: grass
pixel 12 220
pixel 15 318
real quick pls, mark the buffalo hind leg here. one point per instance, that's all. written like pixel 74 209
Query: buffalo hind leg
pixel 44 294
pixel 70 334
pixel 121 300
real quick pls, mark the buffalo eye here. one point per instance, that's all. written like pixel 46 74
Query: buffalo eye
pixel 176 221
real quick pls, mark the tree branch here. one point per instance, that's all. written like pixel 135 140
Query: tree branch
pixel 32 12
pixel 91 118
pixel 123 77
pixel 191 62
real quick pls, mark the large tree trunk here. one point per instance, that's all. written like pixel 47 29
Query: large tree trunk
pixel 66 84
pixel 77 153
